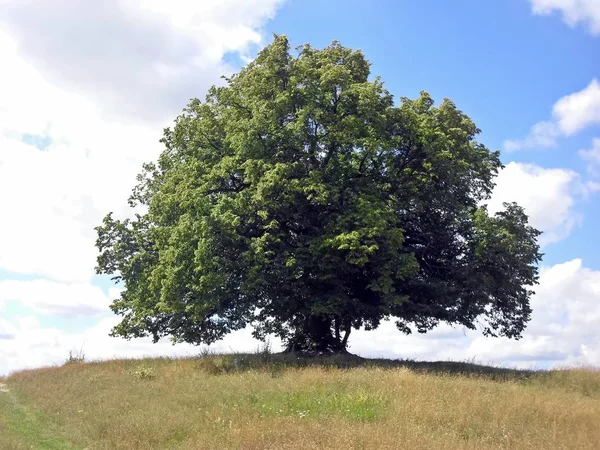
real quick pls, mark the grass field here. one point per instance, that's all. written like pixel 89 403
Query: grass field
pixel 281 402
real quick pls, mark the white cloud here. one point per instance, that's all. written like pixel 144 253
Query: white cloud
pixel 31 346
pixel 564 322
pixel 137 59
pixel 542 135
pixel 563 329
pixel 28 323
pixel 95 80
pixel 7 330
pixel 592 186
pixel 570 115
pixel 51 199
pixel 579 110
pixel 592 157
pixel 573 12
pixel 548 196
pixel 56 299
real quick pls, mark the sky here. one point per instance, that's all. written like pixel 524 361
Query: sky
pixel 86 89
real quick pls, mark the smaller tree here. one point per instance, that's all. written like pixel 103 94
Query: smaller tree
pixel 299 199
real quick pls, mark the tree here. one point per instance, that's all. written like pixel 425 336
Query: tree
pixel 300 199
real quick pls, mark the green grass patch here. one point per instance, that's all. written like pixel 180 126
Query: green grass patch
pixel 361 406
pixel 22 426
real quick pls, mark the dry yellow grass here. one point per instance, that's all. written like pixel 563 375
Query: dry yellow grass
pixel 276 402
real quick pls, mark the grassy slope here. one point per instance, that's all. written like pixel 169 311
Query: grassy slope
pixel 279 402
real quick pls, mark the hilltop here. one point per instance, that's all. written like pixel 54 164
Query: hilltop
pixel 284 402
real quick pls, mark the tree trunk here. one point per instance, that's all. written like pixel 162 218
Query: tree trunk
pixel 346 336
pixel 315 337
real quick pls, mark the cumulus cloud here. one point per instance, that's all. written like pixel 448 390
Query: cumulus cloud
pixel 542 135
pixel 52 198
pixel 573 12
pixel 7 330
pixel 564 323
pixel 548 196
pixel 592 157
pixel 56 299
pixel 562 331
pixel 85 88
pixel 29 346
pixel 570 115
pixel 137 59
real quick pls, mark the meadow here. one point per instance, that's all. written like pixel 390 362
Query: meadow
pixel 267 401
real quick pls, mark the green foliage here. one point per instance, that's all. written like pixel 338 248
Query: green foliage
pixel 300 199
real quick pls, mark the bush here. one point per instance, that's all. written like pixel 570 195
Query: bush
pixel 73 357
pixel 144 373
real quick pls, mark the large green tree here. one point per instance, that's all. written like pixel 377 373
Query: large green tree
pixel 301 200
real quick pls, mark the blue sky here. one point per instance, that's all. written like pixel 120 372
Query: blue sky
pixel 83 102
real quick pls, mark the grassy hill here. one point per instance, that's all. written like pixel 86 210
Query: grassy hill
pixel 281 402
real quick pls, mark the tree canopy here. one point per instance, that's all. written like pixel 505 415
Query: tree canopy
pixel 299 198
